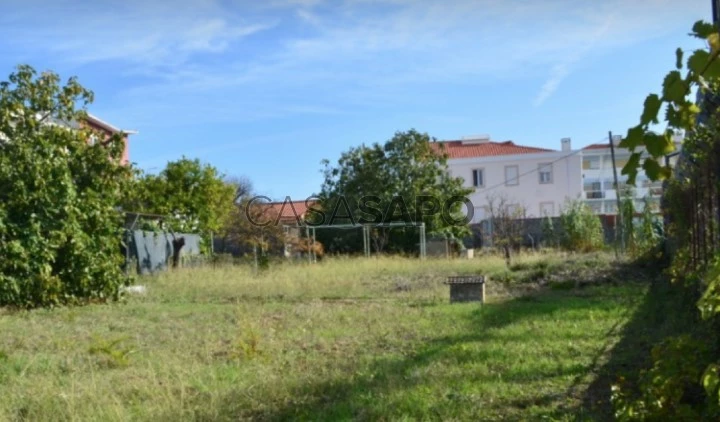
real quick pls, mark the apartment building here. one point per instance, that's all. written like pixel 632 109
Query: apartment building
pixel 541 180
pixel 598 179
pixel 538 179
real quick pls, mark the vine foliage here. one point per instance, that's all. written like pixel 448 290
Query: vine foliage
pixel 681 112
pixel 691 204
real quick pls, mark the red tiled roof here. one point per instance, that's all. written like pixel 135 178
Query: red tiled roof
pixel 458 149
pixel 291 210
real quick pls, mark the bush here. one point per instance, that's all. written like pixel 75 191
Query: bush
pixel 59 228
pixel 580 229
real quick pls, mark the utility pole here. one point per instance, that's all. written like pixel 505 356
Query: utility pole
pixel 618 217
pixel 716 11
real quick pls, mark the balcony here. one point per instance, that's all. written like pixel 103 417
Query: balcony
pixel 596 194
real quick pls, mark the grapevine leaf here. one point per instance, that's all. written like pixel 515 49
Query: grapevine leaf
pixel 697 61
pixel 688 114
pixel 658 145
pixel 654 170
pixel 713 70
pixel 702 63
pixel 679 58
pixel 631 168
pixel 702 29
pixel 674 87
pixel 672 116
pixel 634 138
pixel 651 109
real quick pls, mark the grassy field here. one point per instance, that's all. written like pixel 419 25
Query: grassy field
pixel 367 339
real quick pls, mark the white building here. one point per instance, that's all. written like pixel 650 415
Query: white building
pixel 539 179
pixel 598 179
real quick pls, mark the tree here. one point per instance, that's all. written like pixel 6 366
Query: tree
pixel 404 180
pixel 193 195
pixel 245 228
pixel 507 223
pixel 60 232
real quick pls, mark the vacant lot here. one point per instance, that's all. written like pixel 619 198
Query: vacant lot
pixel 343 339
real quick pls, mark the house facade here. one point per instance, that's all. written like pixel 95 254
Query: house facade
pixel 537 179
pixel 105 129
pixel 108 130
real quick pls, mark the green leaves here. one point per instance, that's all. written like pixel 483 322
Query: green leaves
pixel 630 168
pixel 675 88
pixel 680 112
pixel 651 109
pixel 195 194
pixel 634 138
pixel 654 170
pixel 704 65
pixel 698 60
pixel 407 167
pixel 60 225
pixel 702 29
pixel 658 145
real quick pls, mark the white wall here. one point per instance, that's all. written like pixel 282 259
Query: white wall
pixel 529 192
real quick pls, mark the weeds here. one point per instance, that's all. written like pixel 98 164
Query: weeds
pixel 226 344
pixel 112 352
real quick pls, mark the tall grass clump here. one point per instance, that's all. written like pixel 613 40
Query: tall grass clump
pixel 580 229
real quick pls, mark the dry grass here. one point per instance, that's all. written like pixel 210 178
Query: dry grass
pixel 344 339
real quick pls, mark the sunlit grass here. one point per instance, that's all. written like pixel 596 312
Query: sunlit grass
pixel 344 339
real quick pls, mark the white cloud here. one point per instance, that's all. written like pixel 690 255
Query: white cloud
pixel 356 52
pixel 162 34
pixel 561 70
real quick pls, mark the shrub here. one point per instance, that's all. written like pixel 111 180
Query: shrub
pixel 59 228
pixel 580 229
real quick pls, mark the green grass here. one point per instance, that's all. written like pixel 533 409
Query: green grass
pixel 368 339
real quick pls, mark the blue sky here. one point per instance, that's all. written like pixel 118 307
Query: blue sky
pixel 268 89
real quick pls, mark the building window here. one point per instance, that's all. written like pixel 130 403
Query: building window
pixel 547 209
pixel 478 178
pixel 593 189
pixel 511 175
pixel 545 170
pixel 619 162
pixel 591 163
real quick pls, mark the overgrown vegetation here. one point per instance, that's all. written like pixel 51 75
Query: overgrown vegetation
pixel 641 233
pixel 59 229
pixel 192 195
pixel 507 224
pixel 406 179
pixel 580 229
pixel 343 339
pixel 682 381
